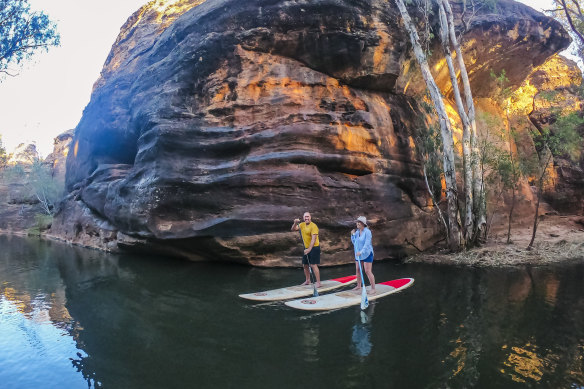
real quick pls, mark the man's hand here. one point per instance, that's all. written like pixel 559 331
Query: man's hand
pixel 306 251
pixel 296 221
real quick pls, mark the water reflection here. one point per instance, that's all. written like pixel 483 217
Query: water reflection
pixel 361 335
pixel 76 318
pixel 523 363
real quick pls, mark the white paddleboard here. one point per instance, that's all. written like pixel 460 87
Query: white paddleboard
pixel 348 298
pixel 298 291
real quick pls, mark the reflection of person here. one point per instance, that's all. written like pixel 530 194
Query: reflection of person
pixel 361 238
pixel 309 232
pixel 361 337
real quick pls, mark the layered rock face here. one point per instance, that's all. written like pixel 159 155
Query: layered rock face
pixel 216 123
pixel 558 94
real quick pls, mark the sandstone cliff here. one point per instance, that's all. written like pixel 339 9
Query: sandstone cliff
pixel 215 123
pixel 24 177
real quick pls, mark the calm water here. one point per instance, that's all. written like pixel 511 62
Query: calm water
pixel 76 318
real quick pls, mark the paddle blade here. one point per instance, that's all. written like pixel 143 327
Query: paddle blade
pixel 364 318
pixel 314 291
pixel 364 300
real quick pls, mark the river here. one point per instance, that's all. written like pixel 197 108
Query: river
pixel 78 318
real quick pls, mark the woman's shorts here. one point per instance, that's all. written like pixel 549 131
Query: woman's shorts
pixel 313 256
pixel 368 259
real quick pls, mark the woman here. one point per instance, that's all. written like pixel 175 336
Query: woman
pixel 361 238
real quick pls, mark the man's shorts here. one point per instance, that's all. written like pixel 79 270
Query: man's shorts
pixel 313 256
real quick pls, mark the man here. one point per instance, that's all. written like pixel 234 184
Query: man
pixel 311 256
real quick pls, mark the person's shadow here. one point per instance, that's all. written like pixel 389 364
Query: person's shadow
pixel 361 338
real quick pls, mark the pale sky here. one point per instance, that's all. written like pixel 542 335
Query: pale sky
pixel 48 96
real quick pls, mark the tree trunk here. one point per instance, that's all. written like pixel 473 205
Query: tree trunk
pixel 479 198
pixel 511 215
pixel 466 130
pixel 445 130
pixel 536 216
pixel 539 193
pixel 436 204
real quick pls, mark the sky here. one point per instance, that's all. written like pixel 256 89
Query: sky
pixel 49 94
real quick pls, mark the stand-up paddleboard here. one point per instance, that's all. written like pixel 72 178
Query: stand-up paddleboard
pixel 348 298
pixel 298 291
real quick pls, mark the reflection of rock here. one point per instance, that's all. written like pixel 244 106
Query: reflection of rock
pixel 210 130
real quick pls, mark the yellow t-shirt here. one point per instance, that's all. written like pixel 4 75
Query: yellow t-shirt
pixel 307 232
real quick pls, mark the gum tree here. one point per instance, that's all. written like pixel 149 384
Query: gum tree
pixel 23 33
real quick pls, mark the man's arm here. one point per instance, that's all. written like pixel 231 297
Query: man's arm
pixel 295 225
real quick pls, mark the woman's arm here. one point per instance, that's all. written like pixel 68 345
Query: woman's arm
pixel 367 247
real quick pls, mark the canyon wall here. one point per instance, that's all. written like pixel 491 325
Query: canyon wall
pixel 215 123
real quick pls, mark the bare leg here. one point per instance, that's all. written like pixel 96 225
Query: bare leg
pixel 306 274
pixel 368 270
pixel 316 274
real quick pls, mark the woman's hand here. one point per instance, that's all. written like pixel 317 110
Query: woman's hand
pixel 359 254
pixel 353 232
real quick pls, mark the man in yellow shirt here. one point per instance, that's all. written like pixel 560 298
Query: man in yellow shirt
pixel 311 256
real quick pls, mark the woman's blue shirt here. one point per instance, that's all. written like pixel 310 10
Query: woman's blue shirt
pixel 362 243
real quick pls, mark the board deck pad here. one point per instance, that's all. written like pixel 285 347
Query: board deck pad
pixel 292 292
pixel 348 298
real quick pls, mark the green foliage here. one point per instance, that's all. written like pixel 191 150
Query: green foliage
pixel 23 33
pixel 38 182
pixel 47 190
pixel 563 138
pixel 569 13
pixel 501 81
pixel 3 155
pixel 428 148
pixel 14 173
pixel 548 95
pixel 42 223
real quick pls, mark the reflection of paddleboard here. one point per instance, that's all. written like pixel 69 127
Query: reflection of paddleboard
pixel 298 291
pixel 348 298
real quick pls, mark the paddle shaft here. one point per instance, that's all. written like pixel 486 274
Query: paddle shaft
pixel 364 300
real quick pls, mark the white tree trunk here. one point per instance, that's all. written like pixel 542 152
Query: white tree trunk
pixel 445 130
pixel 479 206
pixel 466 126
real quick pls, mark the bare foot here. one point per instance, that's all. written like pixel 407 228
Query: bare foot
pixel 317 284
pixel 372 291
pixel 356 288
pixel 305 283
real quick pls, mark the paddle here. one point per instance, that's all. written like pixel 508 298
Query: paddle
pixel 364 300
pixel 314 291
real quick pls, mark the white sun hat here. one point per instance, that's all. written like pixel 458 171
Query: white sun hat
pixel 362 219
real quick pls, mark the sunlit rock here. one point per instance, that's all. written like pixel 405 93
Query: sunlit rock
pixel 214 124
